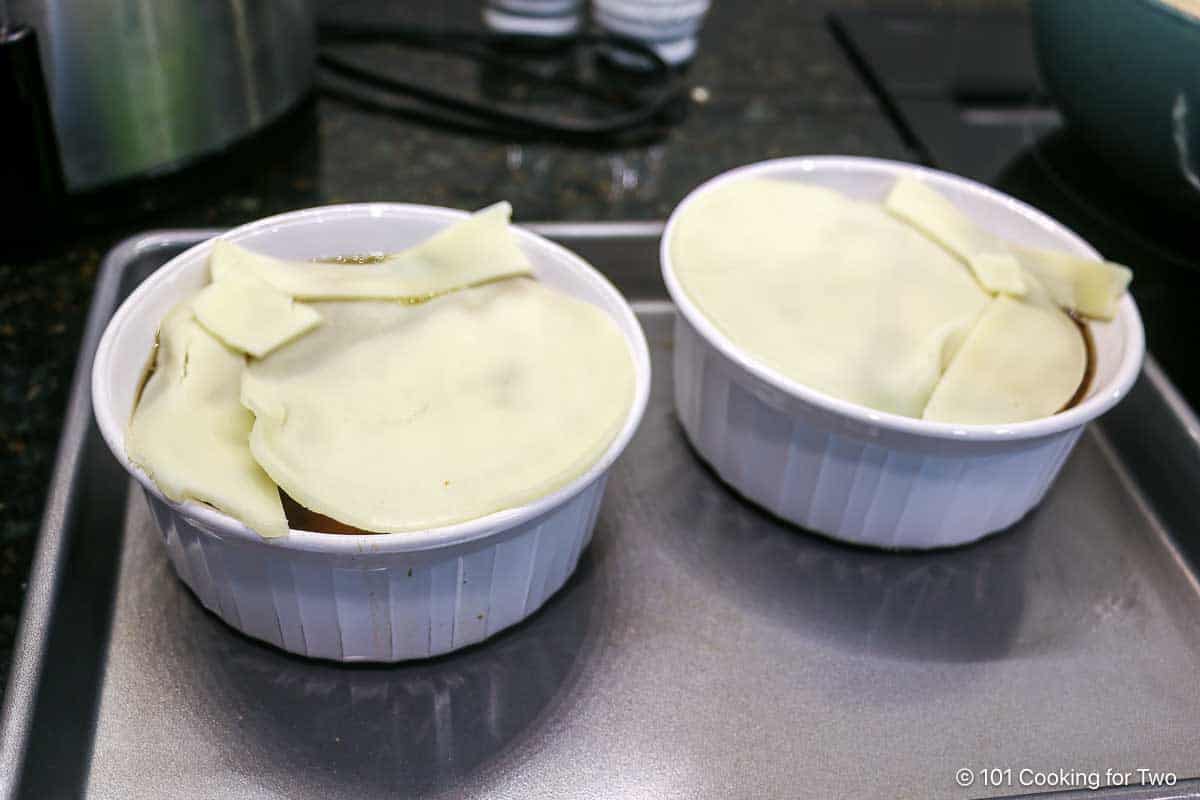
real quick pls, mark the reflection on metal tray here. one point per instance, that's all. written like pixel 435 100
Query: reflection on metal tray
pixel 703 648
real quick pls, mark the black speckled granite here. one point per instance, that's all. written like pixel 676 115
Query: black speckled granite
pixel 776 81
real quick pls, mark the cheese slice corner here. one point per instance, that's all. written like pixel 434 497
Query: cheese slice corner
pixel 1088 287
pixel 250 315
pixel 990 260
pixel 998 272
pixel 923 207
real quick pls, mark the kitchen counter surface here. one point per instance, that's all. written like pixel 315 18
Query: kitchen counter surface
pixel 770 80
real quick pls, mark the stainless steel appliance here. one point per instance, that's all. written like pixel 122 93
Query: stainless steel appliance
pixel 145 86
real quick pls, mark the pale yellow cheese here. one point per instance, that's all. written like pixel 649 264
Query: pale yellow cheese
pixel 250 315
pixel 1088 287
pixel 855 301
pixel 190 433
pixel 1021 361
pixel 833 293
pixel 395 417
pixel 990 259
pixel 407 402
pixel 479 249
pixel 1091 288
pixel 998 272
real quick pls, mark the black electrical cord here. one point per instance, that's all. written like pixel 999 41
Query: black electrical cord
pixel 658 102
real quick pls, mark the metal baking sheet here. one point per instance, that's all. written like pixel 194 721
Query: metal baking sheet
pixel 703 649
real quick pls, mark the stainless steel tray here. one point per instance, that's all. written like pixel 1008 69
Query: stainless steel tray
pixel 703 648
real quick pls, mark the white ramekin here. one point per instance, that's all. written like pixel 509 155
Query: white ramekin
pixel 375 597
pixel 865 476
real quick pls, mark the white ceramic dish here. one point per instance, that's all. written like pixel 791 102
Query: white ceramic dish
pixel 373 597
pixel 866 476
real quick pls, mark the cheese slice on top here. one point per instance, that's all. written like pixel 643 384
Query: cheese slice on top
pixel 1091 288
pixel 990 259
pixel 1021 361
pixel 834 293
pixel 477 250
pixel 250 315
pixel 397 417
pixel 190 432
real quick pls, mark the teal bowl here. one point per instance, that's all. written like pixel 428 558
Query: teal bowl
pixel 1126 76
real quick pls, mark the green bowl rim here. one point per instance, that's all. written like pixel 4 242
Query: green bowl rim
pixel 1180 16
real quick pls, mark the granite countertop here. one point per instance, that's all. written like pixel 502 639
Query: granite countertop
pixel 770 80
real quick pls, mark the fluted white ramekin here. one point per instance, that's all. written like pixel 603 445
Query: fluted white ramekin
pixel 372 597
pixel 866 476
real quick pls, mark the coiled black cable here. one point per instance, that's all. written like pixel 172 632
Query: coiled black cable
pixel 657 102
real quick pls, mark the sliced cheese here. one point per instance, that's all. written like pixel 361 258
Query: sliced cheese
pixel 1091 288
pixel 1021 361
pixel 398 417
pixel 190 433
pixel 250 315
pixel 479 249
pixel 990 259
pixel 998 272
pixel 833 293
